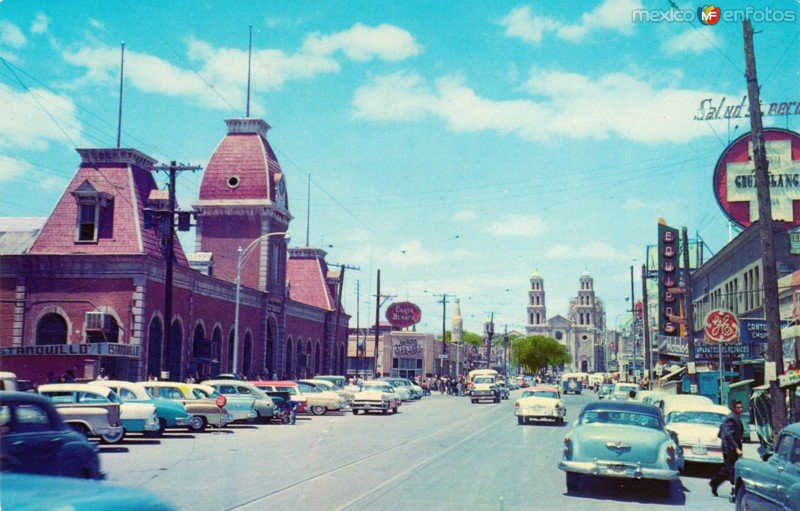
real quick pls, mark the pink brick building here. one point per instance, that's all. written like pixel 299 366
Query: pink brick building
pixel 89 291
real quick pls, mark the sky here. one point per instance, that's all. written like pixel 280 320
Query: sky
pixel 455 146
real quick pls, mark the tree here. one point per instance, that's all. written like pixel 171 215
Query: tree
pixel 466 338
pixel 538 352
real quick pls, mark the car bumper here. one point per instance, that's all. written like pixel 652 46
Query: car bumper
pixel 110 431
pixel 539 414
pixel 692 455
pixel 370 405
pixel 181 421
pixel 628 471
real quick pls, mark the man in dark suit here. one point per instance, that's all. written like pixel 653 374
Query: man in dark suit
pixel 731 432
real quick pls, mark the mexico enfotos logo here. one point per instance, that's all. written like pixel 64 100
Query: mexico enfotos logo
pixel 711 15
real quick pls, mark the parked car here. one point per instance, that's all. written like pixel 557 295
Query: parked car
pixel 774 484
pixel 319 401
pixel 285 386
pixel 45 493
pixel 697 426
pixel 170 414
pixel 35 440
pixel 376 395
pixel 263 404
pixel 403 390
pixel 621 439
pixel 92 411
pixel 540 403
pixel 339 381
pixel 240 407
pixel 347 395
pixel 203 411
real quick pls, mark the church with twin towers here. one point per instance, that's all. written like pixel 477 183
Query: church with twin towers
pixel 581 330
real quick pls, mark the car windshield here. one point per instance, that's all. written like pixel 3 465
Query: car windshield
pixel 306 388
pixel 378 387
pixel 540 393
pixel 484 379
pixel 707 418
pixel 622 418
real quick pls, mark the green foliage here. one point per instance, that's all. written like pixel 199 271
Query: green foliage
pixel 538 352
pixel 467 338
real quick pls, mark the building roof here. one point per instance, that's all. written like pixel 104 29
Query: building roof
pixel 124 179
pixel 305 274
pixel 18 234
pixel 243 166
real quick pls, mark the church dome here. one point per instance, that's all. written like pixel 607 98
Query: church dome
pixel 536 274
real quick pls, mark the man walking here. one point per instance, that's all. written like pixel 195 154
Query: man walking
pixel 730 432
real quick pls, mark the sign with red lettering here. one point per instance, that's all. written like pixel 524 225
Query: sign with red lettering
pixel 735 179
pixel 721 326
pixel 403 314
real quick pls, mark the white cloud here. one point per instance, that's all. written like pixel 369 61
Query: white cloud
pixel 566 105
pixel 362 43
pixel 693 40
pixel 591 251
pixel 12 169
pixel 412 253
pixel 11 35
pixel 464 215
pixel 516 225
pixel 97 24
pixel 613 15
pixel 636 204
pixel 39 24
pixel 24 125
pixel 226 68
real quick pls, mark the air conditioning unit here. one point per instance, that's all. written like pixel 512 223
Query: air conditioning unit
pixel 101 327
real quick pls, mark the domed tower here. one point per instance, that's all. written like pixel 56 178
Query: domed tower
pixel 537 312
pixel 585 309
pixel 243 198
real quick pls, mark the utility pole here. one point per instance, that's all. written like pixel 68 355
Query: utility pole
pixel 646 329
pixel 379 301
pixel 505 352
pixel 771 300
pixel 443 301
pixel 121 75
pixel 633 330
pixel 168 222
pixel 339 290
pixel 687 304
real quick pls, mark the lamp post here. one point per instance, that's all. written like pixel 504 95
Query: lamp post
pixel 241 255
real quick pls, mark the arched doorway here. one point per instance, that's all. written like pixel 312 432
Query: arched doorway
pixel 289 357
pixel 154 336
pixel 309 356
pixel 198 361
pixel 247 355
pixel 319 358
pixel 269 361
pixel 584 366
pixel 51 329
pixel 342 359
pixel 231 369
pixel 216 346
pixel 302 356
pixel 173 361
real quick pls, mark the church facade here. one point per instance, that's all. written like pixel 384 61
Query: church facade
pixel 581 331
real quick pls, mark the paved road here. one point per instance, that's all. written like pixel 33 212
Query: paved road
pixel 439 453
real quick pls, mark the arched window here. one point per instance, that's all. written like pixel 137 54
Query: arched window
pixel 154 336
pixel 216 349
pixel 247 355
pixel 269 362
pixel 51 329
pixel 173 355
pixel 319 357
pixel 559 336
pixel 289 356
pixel 230 352
pixel 199 335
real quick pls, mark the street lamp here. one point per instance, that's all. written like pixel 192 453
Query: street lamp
pixel 241 255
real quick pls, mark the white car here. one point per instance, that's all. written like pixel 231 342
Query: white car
pixel 375 395
pixel 241 408
pixel 697 424
pixel 402 388
pixel 321 401
pixel 540 404
pixel 328 386
pixel 622 391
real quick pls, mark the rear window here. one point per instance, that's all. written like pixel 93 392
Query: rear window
pixel 621 418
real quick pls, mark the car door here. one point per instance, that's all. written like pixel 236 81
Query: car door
pixel 790 476
pixel 34 439
pixel 768 480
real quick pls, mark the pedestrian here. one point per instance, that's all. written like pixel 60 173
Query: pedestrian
pixel 190 378
pixel 102 375
pixel 730 432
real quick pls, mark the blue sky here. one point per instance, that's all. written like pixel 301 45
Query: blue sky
pixel 457 146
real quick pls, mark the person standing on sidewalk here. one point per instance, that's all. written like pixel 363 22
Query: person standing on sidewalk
pixel 730 432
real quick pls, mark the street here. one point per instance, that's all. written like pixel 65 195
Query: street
pixel 439 453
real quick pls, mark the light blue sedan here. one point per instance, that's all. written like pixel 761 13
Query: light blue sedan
pixel 622 440
pixel 774 484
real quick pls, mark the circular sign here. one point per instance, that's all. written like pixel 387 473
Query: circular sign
pixel 735 180
pixel 721 326
pixel 403 314
pixel 221 401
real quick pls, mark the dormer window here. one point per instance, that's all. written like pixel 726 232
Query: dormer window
pixel 89 203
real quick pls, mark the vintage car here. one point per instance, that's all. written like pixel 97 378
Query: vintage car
pixel 320 401
pixel 403 389
pixel 96 411
pixel 503 389
pixel 697 425
pixel 339 381
pixel 775 483
pixel 203 411
pixel 484 387
pixel 285 386
pixel 605 390
pixel 376 395
pixel 330 387
pixel 540 403
pixel 240 407
pixel 621 439
pixel 45 493
pixel 263 404
pixel 572 382
pixel 622 391
pixel 35 440
pixel 170 414
pixel 529 391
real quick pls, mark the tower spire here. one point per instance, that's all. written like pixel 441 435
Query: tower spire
pixel 249 59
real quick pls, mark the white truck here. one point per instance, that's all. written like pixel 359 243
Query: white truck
pixel 482 384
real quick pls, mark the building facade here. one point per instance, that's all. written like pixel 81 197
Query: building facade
pixel 581 331
pixel 89 290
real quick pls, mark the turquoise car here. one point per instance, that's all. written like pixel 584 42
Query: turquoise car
pixel 171 414
pixel 774 484
pixel 621 440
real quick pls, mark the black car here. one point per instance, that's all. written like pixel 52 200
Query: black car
pixel 34 440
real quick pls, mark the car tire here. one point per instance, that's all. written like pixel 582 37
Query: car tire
pixel 197 424
pixel 355 412
pixel 497 400
pixel 474 401
pixel 386 411
pixel 113 439
pixel 520 421
pixel 318 410
pixel 394 410
pixel 742 497
pixel 573 481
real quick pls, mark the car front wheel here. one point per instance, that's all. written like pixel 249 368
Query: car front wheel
pixel 573 481
pixel 197 424
pixel 742 498
pixel 113 438
pixel 318 410
pixel 520 421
